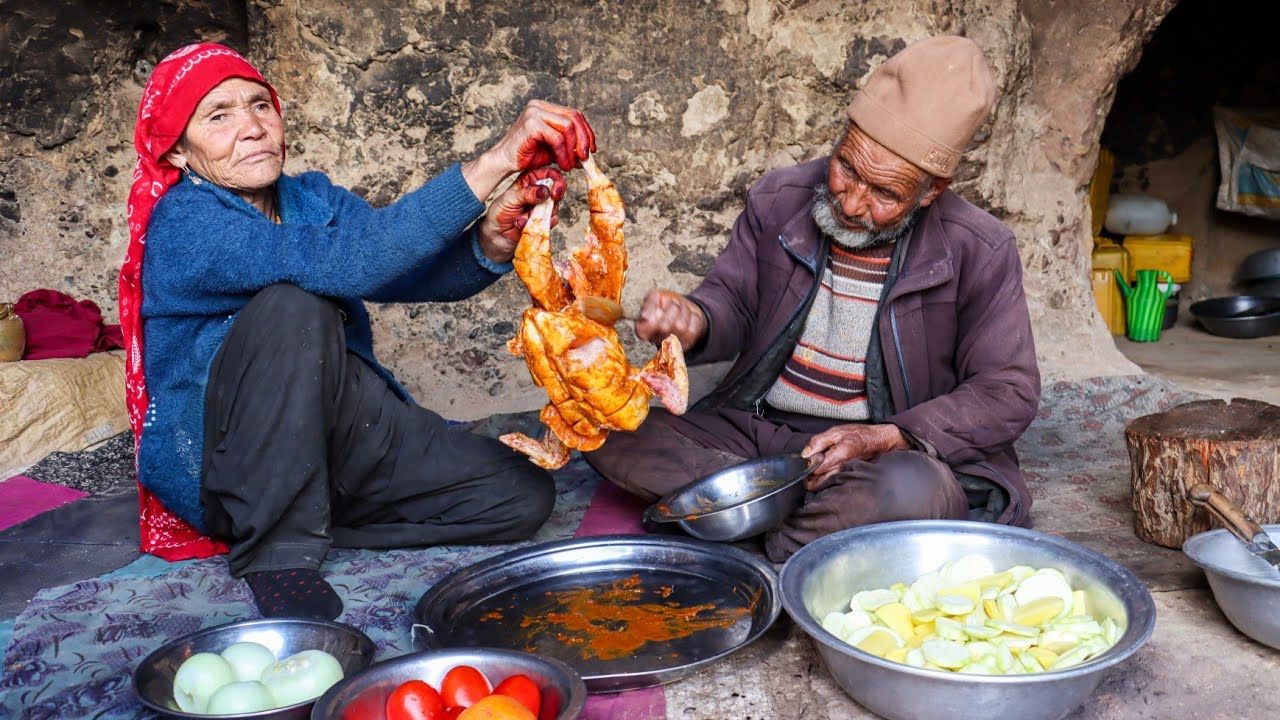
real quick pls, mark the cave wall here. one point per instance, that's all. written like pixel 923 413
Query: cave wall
pixel 692 101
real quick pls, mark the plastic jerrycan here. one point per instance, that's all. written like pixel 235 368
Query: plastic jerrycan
pixel 1144 304
pixel 1129 214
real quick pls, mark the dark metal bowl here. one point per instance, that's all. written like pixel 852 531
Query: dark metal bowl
pixel 364 695
pixel 1262 265
pixel 737 502
pixel 153 678
pixel 1231 317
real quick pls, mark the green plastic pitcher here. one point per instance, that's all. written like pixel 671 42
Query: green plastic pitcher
pixel 1144 304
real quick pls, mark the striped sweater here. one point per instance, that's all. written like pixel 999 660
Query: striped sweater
pixel 825 375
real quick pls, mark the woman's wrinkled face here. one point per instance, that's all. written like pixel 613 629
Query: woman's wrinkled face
pixel 235 138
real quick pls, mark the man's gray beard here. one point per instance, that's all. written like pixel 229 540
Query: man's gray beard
pixel 825 217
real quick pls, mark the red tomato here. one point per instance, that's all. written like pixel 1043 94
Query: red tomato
pixel 463 686
pixel 452 713
pixel 415 700
pixel 550 709
pixel 524 690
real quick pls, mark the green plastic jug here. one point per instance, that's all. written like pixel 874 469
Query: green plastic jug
pixel 1144 304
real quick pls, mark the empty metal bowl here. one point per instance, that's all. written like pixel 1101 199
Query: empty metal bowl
pixel 153 678
pixel 1244 586
pixel 1239 316
pixel 737 502
pixel 364 695
pixel 824 575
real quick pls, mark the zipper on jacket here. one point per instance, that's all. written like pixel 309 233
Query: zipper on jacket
pixel 897 348
pixel 805 303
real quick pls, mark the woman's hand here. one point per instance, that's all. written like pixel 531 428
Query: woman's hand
pixel 835 446
pixel 544 133
pixel 669 313
pixel 505 219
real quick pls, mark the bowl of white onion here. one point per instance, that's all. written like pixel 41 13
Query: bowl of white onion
pixel 956 620
pixel 260 669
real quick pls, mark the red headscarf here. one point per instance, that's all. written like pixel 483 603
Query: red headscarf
pixel 175 88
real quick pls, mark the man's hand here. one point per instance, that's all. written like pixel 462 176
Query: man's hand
pixel 544 133
pixel 499 232
pixel 669 313
pixel 835 446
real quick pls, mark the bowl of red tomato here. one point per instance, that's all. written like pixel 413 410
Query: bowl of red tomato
pixel 457 684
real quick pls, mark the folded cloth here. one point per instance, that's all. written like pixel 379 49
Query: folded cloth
pixel 57 326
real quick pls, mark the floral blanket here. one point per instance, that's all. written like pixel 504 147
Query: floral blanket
pixel 74 647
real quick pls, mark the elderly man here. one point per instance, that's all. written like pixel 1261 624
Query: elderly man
pixel 878 321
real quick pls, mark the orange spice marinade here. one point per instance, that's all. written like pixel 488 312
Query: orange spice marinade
pixel 613 622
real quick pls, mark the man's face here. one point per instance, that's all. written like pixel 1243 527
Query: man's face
pixel 872 194
pixel 235 138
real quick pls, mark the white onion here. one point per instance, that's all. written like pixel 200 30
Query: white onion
pixel 198 678
pixel 248 659
pixel 241 697
pixel 301 677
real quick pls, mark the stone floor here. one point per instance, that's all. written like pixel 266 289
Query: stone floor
pixel 1196 664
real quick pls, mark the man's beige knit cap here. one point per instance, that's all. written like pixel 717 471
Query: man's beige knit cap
pixel 926 102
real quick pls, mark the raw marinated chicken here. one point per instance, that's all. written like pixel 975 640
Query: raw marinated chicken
pixel 580 362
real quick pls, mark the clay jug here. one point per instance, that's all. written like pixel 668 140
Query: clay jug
pixel 13 338
pixel 1144 304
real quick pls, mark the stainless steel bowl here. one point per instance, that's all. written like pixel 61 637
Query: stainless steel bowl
pixel 153 678
pixel 1244 586
pixel 825 574
pixel 364 695
pixel 737 502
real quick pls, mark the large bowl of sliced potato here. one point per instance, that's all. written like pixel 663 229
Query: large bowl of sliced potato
pixel 949 620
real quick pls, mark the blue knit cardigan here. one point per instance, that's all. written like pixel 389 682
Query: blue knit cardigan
pixel 208 251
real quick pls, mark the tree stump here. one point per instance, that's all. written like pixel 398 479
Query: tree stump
pixel 1234 447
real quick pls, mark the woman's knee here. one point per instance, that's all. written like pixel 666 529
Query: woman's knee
pixel 533 495
pixel 284 305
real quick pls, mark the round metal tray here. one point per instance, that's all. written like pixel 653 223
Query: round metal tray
pixel 591 603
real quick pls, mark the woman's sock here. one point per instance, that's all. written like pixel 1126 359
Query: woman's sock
pixel 299 593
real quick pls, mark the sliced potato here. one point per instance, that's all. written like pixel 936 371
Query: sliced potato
pixel 1038 611
pixel 955 604
pixel 869 600
pixel 946 653
pixel 897 617
pixel 1014 628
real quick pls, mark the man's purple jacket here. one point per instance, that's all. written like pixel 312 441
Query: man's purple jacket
pixel 953 327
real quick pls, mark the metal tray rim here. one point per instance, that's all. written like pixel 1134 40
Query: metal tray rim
pixel 614 682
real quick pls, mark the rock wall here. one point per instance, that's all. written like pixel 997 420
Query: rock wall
pixel 692 101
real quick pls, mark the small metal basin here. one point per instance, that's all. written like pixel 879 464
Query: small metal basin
pixel 1244 586
pixel 822 576
pixel 364 695
pixel 737 502
pixel 153 678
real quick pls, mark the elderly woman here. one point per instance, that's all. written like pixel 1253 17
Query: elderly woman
pixel 263 418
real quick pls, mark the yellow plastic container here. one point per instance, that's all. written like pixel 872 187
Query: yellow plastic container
pixel 1107 295
pixel 1109 256
pixel 1100 188
pixel 1170 253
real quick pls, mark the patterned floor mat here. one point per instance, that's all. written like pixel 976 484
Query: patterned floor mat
pixel 74 646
